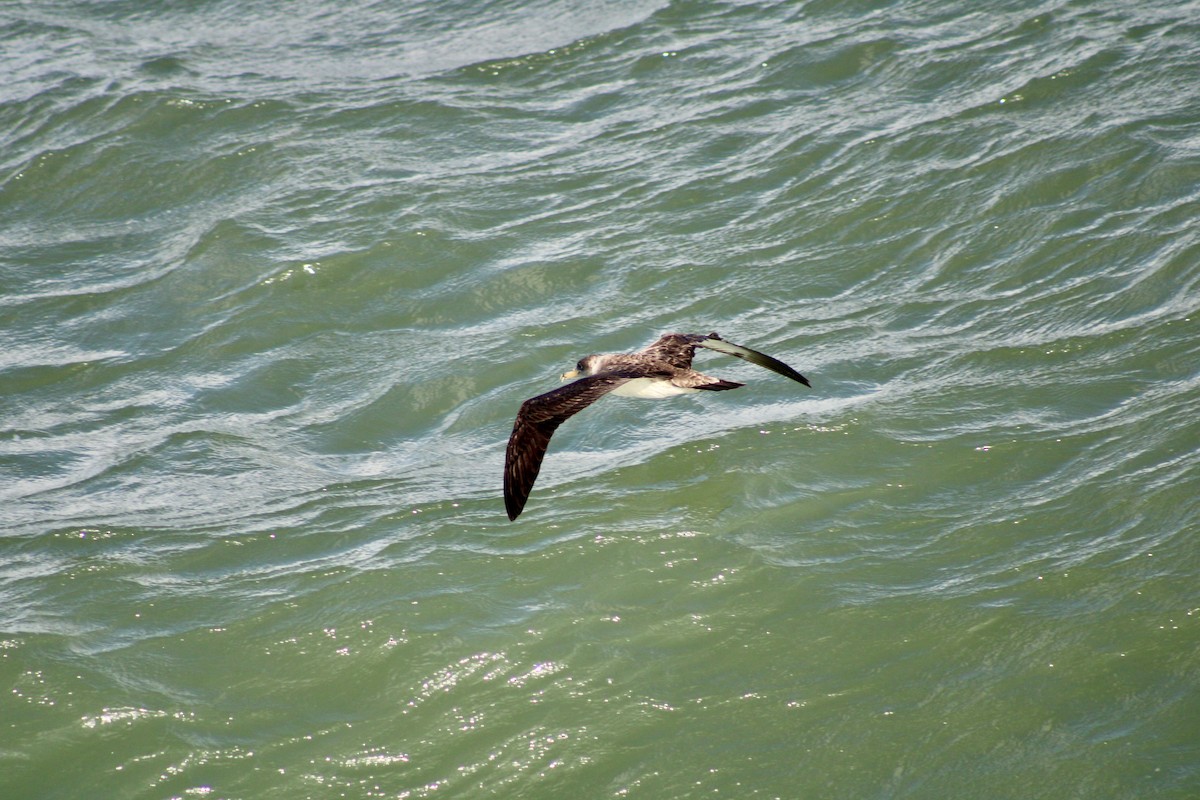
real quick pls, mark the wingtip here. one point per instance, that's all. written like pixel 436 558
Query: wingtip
pixel 512 507
pixel 754 357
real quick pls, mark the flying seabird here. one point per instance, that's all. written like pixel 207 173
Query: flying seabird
pixel 664 369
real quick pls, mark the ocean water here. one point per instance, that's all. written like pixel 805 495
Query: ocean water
pixel 275 277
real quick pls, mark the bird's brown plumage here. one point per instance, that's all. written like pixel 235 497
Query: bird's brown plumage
pixel 536 422
pixel 668 360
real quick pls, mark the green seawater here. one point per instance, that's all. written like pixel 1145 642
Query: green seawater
pixel 274 279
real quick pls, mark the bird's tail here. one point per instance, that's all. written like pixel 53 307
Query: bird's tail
pixel 720 386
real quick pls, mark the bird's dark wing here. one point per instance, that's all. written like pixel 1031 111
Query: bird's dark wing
pixel 536 422
pixel 675 349
pixel 714 342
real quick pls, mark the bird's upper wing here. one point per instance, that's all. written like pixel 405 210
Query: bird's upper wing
pixel 676 349
pixel 714 342
pixel 536 422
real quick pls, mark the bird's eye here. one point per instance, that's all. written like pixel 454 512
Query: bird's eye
pixel 579 366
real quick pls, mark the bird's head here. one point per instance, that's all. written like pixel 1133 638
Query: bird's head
pixel 588 365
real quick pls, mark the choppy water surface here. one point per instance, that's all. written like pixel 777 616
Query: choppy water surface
pixel 274 279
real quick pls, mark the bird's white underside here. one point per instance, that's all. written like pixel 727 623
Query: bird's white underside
pixel 650 389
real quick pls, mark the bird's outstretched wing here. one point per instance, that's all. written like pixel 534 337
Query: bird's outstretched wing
pixel 536 422
pixel 675 349
pixel 714 342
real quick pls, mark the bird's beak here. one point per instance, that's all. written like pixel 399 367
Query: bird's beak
pixel 569 375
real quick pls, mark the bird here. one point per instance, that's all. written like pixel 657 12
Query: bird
pixel 664 369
